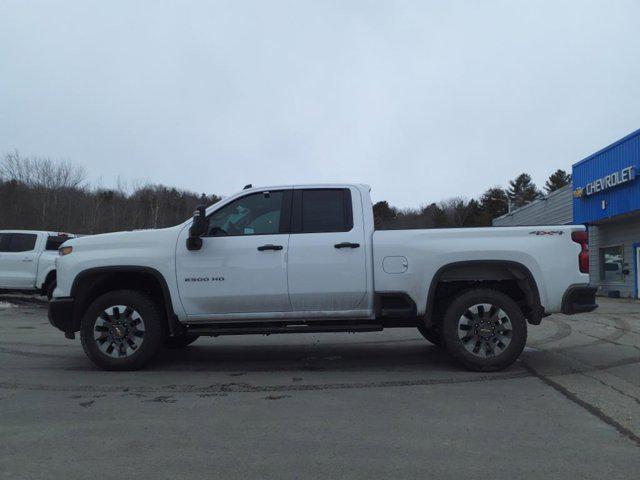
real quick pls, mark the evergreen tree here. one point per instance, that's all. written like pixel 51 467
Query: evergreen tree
pixel 557 180
pixel 383 214
pixel 436 216
pixel 494 203
pixel 522 190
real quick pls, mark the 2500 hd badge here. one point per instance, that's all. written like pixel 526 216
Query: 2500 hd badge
pixel 204 279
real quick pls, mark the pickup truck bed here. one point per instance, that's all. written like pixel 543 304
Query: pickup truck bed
pixel 544 256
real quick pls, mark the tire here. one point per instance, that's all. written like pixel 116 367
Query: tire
pixel 122 321
pixel 432 334
pixel 180 342
pixel 49 290
pixel 484 330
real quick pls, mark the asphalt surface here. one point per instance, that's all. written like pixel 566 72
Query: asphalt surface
pixel 374 405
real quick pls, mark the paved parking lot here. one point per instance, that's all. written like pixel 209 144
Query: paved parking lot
pixel 377 405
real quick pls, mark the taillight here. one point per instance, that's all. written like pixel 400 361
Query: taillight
pixel 583 257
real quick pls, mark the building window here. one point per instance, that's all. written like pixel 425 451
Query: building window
pixel 611 264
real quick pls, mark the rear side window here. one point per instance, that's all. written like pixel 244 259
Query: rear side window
pixel 17 242
pixel 326 210
pixel 53 243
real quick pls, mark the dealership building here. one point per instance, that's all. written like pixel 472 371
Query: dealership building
pixel 605 196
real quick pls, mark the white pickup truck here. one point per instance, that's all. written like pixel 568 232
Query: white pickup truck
pixel 27 260
pixel 307 259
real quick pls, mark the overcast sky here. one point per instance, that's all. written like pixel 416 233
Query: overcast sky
pixel 422 100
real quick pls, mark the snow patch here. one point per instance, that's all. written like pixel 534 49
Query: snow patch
pixel 7 305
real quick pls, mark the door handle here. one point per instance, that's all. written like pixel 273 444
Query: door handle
pixel 347 245
pixel 27 259
pixel 270 247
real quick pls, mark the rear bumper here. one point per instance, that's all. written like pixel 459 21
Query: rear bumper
pixel 579 299
pixel 61 315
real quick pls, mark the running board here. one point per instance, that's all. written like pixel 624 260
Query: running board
pixel 226 329
pixel 398 312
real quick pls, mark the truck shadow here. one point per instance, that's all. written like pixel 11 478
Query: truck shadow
pixel 398 355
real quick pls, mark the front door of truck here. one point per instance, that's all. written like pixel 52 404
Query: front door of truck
pixel 18 260
pixel 241 267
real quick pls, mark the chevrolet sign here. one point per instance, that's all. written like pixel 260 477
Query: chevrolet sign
pixel 612 180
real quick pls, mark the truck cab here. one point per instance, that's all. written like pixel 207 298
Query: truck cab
pixel 280 253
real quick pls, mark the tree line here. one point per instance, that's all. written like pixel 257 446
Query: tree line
pixel 461 212
pixel 42 194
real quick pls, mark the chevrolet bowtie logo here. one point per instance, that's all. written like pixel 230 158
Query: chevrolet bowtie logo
pixel 578 192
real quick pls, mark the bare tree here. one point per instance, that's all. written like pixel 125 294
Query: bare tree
pixel 45 194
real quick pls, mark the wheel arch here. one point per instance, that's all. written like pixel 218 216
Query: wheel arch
pixel 93 282
pixel 49 277
pixel 499 274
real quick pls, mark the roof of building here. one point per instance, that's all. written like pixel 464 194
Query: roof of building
pixel 536 202
pixel 608 147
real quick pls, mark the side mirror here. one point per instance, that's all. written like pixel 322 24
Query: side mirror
pixel 197 229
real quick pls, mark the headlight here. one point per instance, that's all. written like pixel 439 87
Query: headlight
pixel 65 251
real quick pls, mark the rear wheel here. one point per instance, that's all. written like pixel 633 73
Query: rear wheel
pixel 484 330
pixel 122 330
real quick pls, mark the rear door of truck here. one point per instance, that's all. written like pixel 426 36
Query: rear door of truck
pixel 327 255
pixel 19 254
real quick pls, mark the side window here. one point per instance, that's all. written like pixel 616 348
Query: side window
pixel 18 242
pixel 53 243
pixel 326 210
pixel 256 214
pixel 5 238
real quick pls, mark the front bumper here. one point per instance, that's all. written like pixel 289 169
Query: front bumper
pixel 579 299
pixel 61 315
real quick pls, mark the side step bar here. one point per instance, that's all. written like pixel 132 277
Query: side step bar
pixel 405 312
pixel 261 329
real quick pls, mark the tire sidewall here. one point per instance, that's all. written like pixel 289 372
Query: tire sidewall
pixel 454 345
pixel 153 337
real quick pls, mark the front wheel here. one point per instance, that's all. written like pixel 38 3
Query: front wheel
pixel 122 330
pixel 484 330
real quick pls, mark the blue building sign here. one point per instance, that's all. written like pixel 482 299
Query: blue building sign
pixel 607 183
